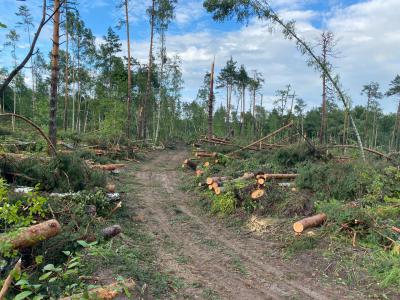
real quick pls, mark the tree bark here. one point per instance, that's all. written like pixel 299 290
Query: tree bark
pixel 54 74
pixel 129 98
pixel 210 103
pixel 66 77
pixel 27 237
pixel 143 109
pixel 9 279
pixel 309 222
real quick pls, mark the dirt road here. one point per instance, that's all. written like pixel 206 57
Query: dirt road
pixel 212 260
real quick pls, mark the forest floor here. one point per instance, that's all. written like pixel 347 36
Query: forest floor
pixel 211 257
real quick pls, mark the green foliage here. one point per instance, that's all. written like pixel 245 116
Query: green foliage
pixel 293 155
pixel 62 173
pixel 224 204
pixel 15 213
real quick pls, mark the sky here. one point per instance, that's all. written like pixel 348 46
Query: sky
pixel 367 32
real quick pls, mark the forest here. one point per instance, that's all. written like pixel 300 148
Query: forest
pixel 117 184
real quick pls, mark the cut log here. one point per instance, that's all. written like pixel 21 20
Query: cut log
pixel 260 181
pixel 277 176
pixel 216 184
pixel 206 164
pixel 309 222
pixel 107 167
pixel 257 194
pixel 9 279
pixel 190 163
pixel 206 154
pixel 110 232
pixel 210 187
pixel 396 229
pixel 105 293
pixel 219 190
pixel 27 237
pixel 199 172
pixel 210 180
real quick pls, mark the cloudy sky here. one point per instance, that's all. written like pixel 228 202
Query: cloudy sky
pixel 367 32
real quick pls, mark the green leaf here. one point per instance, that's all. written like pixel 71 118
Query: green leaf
pixel 52 279
pixel 23 295
pixel 38 297
pixel 73 265
pixel 22 282
pixel 45 276
pixel 83 244
pixel 3 25
pixel 39 259
pixel 49 267
pixel 67 253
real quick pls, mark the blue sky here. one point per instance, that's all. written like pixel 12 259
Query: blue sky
pixel 368 33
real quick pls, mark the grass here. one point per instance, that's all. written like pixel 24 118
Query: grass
pixel 210 294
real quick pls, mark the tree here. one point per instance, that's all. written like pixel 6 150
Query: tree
pixel 394 90
pixel 244 9
pixel 327 44
pixel 243 81
pixel 299 108
pixel 211 102
pixel 142 128
pixel 11 41
pixel 164 15
pixel 54 74
pixel 26 22
pixel 227 78
pixel 372 92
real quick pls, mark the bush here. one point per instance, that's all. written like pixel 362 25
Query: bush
pixel 62 173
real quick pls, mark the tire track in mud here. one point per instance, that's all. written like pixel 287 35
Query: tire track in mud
pixel 216 259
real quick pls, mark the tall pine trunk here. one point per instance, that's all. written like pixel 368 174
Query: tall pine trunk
pixel 66 78
pixel 143 111
pixel 129 97
pixel 54 74
pixel 161 96
pixel 210 103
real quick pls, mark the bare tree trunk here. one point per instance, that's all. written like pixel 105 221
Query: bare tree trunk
pixel 129 98
pixel 65 121
pixel 78 113
pixel 143 110
pixel 73 93
pixel 54 75
pixel 14 107
pixel 210 103
pixel 163 57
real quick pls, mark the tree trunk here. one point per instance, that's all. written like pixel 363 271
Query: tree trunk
pixel 78 113
pixel 210 102
pixel 66 77
pixel 143 110
pixel 54 74
pixel 129 99
pixel 163 56
pixel 30 236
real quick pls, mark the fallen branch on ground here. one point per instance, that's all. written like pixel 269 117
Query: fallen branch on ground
pixel 9 279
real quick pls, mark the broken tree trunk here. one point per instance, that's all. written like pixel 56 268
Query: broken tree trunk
pixel 263 139
pixel 27 237
pixel 105 293
pixel 309 222
pixel 9 279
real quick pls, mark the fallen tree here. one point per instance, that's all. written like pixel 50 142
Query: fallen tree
pixel 9 279
pixel 27 237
